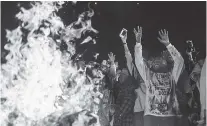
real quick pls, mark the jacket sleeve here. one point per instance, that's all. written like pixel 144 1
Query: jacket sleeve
pixel 111 72
pixel 178 62
pixel 139 62
pixel 130 65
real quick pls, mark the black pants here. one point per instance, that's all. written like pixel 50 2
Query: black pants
pixel 138 119
pixel 159 121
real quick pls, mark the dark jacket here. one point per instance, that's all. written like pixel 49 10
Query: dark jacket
pixel 125 101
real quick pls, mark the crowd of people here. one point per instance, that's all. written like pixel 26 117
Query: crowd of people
pixel 158 91
pixel 153 91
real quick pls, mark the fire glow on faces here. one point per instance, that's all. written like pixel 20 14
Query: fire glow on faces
pixel 35 78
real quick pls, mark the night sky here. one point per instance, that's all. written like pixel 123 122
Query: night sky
pixel 183 20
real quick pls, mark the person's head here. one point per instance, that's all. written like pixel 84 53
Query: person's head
pixel 190 43
pixel 160 64
pixel 104 63
pixel 94 72
pixel 123 76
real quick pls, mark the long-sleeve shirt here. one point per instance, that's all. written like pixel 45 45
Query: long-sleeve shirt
pixel 161 98
pixel 141 90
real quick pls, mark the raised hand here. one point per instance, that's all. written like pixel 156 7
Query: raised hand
pixel 138 34
pixel 163 37
pixel 111 57
pixel 123 35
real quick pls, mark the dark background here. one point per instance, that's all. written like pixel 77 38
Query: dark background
pixel 183 20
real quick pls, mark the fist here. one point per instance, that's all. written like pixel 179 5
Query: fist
pixel 123 35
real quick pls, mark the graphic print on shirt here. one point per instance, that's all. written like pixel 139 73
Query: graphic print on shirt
pixel 160 94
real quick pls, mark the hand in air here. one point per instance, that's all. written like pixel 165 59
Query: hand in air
pixel 163 37
pixel 111 57
pixel 123 35
pixel 138 34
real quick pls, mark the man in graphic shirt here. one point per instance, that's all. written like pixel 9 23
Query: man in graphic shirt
pixel 161 106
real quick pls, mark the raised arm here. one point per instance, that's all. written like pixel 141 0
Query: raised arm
pixel 128 56
pixel 177 58
pixel 112 68
pixel 139 62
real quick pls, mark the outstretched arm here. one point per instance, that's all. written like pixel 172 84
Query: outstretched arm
pixel 112 68
pixel 128 56
pixel 177 58
pixel 139 62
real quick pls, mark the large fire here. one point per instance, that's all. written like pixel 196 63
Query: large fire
pixel 35 78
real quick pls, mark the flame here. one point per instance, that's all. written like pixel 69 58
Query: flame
pixel 35 78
